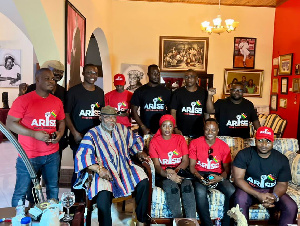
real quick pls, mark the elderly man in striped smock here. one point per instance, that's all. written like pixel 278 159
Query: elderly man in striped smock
pixel 106 150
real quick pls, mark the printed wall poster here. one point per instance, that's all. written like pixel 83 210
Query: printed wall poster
pixel 10 67
pixel 135 75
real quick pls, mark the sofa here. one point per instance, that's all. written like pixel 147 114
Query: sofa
pixel 289 147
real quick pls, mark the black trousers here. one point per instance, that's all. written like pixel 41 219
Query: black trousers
pixel 104 201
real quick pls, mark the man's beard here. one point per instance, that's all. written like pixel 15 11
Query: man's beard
pixel 108 128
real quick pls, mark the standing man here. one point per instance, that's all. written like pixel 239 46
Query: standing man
pixel 34 116
pixel 120 100
pixel 109 156
pixel 233 113
pixel 188 106
pixel 152 99
pixel 261 175
pixel 57 69
pixel 84 102
pixel 210 158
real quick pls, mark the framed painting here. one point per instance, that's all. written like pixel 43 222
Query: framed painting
pixel 251 79
pixel 283 102
pixel 273 102
pixel 297 69
pixel 183 53
pixel 296 85
pixel 275 72
pixel 10 68
pixel 275 85
pixel 75 30
pixel 244 52
pixel 285 64
pixel 284 85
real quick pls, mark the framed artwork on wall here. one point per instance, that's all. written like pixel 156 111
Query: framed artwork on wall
pixel 296 85
pixel 297 69
pixel 251 79
pixel 275 85
pixel 284 85
pixel 183 53
pixel 273 102
pixel 275 72
pixel 10 68
pixel 285 64
pixel 283 102
pixel 244 52
pixel 75 30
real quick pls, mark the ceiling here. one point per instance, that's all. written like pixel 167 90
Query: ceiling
pixel 254 3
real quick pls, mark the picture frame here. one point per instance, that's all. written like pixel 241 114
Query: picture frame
pixel 273 102
pixel 285 64
pixel 297 69
pixel 296 84
pixel 244 52
pixel 284 85
pixel 244 76
pixel 275 85
pixel 178 53
pixel 75 33
pixel 275 72
pixel 283 102
pixel 10 68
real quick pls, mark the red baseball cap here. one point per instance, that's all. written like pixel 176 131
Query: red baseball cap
pixel 264 133
pixel 119 80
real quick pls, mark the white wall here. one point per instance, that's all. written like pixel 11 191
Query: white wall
pixel 11 37
pixel 137 26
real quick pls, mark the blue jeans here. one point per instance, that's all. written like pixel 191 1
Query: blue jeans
pixel 202 202
pixel 49 167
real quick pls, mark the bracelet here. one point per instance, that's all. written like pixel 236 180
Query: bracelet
pixel 99 168
pixel 276 197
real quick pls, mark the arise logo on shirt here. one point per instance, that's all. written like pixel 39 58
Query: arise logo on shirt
pixel 266 181
pixel 171 160
pixel 210 164
pixel 240 122
pixel 195 109
pixel 91 112
pixel 158 104
pixel 122 106
pixel 44 122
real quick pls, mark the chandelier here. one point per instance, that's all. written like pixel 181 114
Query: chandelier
pixel 218 28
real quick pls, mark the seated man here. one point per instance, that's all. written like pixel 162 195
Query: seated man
pixel 106 149
pixel 210 157
pixel 261 175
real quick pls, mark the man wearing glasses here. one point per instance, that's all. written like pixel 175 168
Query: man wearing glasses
pixel 210 162
pixel 261 175
pixel 234 113
pixel 83 105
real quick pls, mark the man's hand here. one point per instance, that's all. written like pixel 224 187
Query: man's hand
pixel 212 91
pixel 77 137
pixel 142 156
pixel 22 89
pixel 266 199
pixel 177 131
pixel 105 174
pixel 177 179
pixel 41 135
pixel 216 179
pixel 145 130
pixel 58 137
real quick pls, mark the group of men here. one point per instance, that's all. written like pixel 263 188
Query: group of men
pixel 101 138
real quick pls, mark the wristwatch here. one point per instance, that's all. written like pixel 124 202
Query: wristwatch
pixel 276 197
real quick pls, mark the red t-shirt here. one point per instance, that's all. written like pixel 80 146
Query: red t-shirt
pixel 169 152
pixel 37 113
pixel 120 101
pixel 198 150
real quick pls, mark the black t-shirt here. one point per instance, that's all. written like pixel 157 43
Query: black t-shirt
pixel 234 119
pixel 263 172
pixel 84 107
pixel 153 102
pixel 59 92
pixel 190 108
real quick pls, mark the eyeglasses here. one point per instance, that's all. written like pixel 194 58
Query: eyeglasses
pixel 210 156
pixel 237 90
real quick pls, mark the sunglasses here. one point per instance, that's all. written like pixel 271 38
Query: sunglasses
pixel 237 90
pixel 210 156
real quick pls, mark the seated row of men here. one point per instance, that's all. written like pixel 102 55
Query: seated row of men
pixel 38 114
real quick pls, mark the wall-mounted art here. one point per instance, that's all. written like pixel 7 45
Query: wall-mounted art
pixel 75 45
pixel 275 85
pixel 285 64
pixel 135 75
pixel 283 102
pixel 244 52
pixel 10 67
pixel 273 102
pixel 251 79
pixel 284 85
pixel 183 53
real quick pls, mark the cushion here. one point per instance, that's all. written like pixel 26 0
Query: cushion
pixel 286 144
pixel 235 144
pixel 295 169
